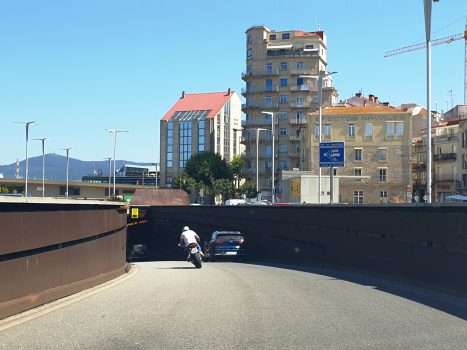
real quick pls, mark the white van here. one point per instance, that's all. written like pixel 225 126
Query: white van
pixel 235 202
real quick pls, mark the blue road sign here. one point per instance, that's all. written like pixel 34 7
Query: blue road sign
pixel 279 191
pixel 331 154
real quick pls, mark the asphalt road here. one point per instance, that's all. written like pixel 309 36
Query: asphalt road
pixel 226 305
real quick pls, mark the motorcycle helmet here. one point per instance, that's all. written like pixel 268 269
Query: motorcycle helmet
pixel 186 228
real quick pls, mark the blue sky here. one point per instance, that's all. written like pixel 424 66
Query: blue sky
pixel 80 67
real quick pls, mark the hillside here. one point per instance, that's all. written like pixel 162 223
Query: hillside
pixel 55 167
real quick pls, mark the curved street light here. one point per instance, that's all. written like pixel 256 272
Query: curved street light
pixel 43 164
pixel 115 148
pixel 27 146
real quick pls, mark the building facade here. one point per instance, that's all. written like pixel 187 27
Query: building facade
pixel 377 152
pixel 197 123
pixel 275 82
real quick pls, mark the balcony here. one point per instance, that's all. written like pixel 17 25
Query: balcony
pixel 420 166
pixel 247 140
pixel 282 54
pixel 255 122
pixel 268 139
pixel 294 138
pixel 419 183
pixel 266 170
pixel 445 138
pixel 464 165
pixel 265 105
pixel 294 154
pixel 258 73
pixel 445 157
pixel 303 71
pixel 299 104
pixel 461 184
pixel 445 178
pixel 296 121
pixel 248 155
pixel 260 89
pixel 298 88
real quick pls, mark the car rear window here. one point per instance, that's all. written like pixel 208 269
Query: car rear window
pixel 229 237
pixel 140 247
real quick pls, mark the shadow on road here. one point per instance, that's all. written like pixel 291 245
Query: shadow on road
pixel 443 302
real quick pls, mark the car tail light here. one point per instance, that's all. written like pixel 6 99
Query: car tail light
pixel 240 241
pixel 219 241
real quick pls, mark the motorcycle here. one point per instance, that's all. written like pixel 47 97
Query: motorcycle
pixel 193 253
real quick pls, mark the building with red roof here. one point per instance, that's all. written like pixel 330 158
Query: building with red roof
pixel 199 122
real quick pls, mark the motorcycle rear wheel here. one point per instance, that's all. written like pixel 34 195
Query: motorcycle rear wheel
pixel 196 260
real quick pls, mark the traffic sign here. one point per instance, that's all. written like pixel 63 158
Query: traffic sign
pixel 279 191
pixel 331 154
pixel 279 196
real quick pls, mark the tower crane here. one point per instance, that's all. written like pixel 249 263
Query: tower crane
pixel 446 40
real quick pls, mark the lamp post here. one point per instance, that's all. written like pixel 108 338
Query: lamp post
pixel 110 171
pixel 156 164
pixel 67 162
pixel 320 88
pixel 27 146
pixel 115 147
pixel 43 164
pixel 257 159
pixel 427 6
pixel 273 120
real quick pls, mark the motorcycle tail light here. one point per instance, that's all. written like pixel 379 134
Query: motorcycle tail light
pixel 191 245
pixel 219 241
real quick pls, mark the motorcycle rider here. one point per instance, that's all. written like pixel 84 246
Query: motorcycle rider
pixel 189 236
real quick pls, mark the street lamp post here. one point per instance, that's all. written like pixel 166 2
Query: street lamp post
pixel 115 147
pixel 273 154
pixel 110 171
pixel 27 146
pixel 43 164
pixel 320 88
pixel 257 159
pixel 67 162
pixel 427 6
pixel 156 164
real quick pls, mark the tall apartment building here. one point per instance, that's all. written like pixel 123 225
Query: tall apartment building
pixel 378 151
pixel 196 123
pixel 275 65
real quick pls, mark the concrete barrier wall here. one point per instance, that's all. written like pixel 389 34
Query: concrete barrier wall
pixel 48 251
pixel 422 243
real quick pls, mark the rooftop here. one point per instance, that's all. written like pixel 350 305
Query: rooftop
pixel 209 104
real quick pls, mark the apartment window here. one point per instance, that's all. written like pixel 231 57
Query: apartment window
pixel 249 54
pixel 201 136
pixel 267 181
pixel 185 143
pixel 268 101
pixel 303 154
pixel 383 154
pixel 283 82
pixel 285 36
pixel 297 148
pixel 283 98
pixel 248 86
pixel 248 116
pixel 358 197
pixel 399 129
pixel 351 129
pixel 268 151
pixel 249 102
pixel 383 194
pixel 268 117
pixel 268 68
pixel 357 172
pixel 317 130
pixel 283 115
pixel 282 148
pixel 303 134
pixel 249 69
pixel 423 178
pixel 358 154
pixel 454 149
pixel 282 132
pixel 283 164
pixel 248 164
pixel 390 130
pixel 368 129
pixel 170 140
pixel 315 99
pixel 300 101
pixel 272 37
pixel 309 47
pixel 327 130
pixel 283 65
pixel 249 39
pixel 300 117
pixel 420 158
pixel 269 135
pixel 269 85
pixel 382 175
pixel 169 179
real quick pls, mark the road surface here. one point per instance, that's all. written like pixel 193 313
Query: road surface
pixel 227 305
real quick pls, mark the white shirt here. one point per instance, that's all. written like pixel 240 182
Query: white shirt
pixel 188 237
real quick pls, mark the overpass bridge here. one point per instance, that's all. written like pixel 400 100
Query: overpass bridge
pixel 346 294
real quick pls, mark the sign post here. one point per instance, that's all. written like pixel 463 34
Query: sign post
pixel 331 154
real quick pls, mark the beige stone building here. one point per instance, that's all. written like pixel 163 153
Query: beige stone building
pixel 377 151
pixel 276 62
pixel 197 123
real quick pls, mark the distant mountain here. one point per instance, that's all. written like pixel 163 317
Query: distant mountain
pixel 55 167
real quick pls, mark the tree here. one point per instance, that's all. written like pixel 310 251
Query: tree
pixel 186 183
pixel 221 186
pixel 250 190
pixel 4 190
pixel 204 165
pixel 237 164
